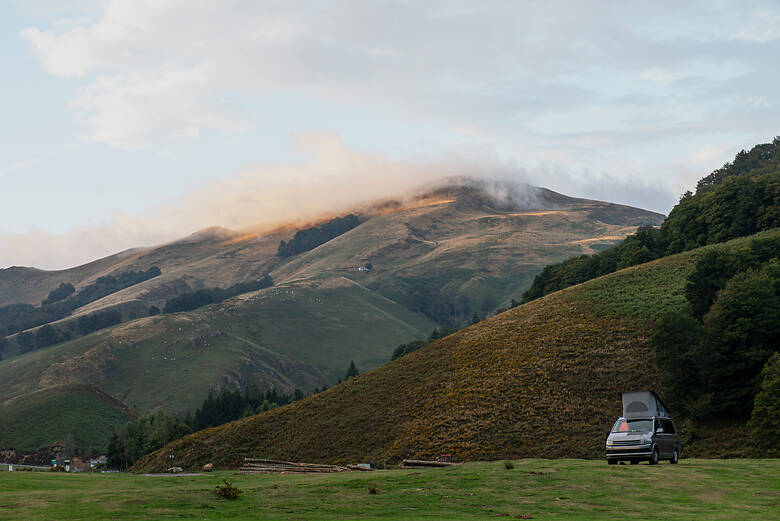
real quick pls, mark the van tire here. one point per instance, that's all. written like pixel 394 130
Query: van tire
pixel 675 456
pixel 654 457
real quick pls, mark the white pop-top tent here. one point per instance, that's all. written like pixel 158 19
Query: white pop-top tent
pixel 643 404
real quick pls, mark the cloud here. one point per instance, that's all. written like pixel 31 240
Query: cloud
pixel 330 177
pixel 763 27
pixel 117 111
pixel 662 75
pixel 155 69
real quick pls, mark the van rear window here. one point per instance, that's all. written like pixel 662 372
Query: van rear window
pixel 633 426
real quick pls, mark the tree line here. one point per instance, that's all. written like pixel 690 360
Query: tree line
pixel 310 238
pixel 414 345
pixel 428 299
pixel 202 297
pixel 737 200
pixel 153 431
pixel 49 335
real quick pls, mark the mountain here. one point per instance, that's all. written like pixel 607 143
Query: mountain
pixel 437 258
pixel 540 380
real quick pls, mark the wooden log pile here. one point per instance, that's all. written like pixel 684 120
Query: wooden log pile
pixel 268 466
pixel 423 464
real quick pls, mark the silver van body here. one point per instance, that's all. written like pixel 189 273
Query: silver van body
pixel 644 432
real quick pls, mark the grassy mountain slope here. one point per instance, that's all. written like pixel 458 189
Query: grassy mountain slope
pixel 28 422
pixel 466 244
pixel 212 257
pixel 171 361
pixel 540 380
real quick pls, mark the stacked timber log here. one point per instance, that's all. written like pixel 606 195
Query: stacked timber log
pixel 423 464
pixel 269 466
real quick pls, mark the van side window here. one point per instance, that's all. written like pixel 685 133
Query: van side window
pixel 669 427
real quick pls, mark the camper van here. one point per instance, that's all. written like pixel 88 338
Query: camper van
pixel 645 432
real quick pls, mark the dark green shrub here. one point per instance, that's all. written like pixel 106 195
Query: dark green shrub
pixel 765 421
pixel 227 491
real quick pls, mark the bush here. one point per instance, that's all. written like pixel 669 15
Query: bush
pixel 227 491
pixel 765 421
pixel 741 332
pixel 508 465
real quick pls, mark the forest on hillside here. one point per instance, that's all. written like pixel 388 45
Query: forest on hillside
pixel 202 297
pixel 739 199
pixel 310 238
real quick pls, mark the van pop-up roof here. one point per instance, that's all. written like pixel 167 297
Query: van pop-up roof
pixel 643 404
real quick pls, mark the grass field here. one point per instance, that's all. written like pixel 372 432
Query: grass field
pixel 543 489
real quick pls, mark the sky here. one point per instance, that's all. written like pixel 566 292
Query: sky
pixel 132 123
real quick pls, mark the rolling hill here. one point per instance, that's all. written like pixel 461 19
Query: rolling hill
pixel 27 422
pixel 437 257
pixel 540 380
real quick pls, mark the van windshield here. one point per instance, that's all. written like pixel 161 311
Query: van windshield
pixel 633 426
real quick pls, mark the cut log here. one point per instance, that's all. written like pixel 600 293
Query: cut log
pixel 423 464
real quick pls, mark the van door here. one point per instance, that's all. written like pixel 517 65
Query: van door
pixel 671 435
pixel 661 439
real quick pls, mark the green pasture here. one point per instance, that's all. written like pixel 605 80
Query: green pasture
pixel 543 489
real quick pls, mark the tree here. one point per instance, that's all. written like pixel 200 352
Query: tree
pixel 674 339
pixel 62 291
pixel 46 336
pixel 741 332
pixel 352 371
pixel 141 437
pixel 711 272
pixel 26 341
pixel 765 420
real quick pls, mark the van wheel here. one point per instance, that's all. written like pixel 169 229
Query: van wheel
pixel 654 457
pixel 635 462
pixel 675 457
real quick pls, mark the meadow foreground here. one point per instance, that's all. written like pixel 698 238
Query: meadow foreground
pixel 542 489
